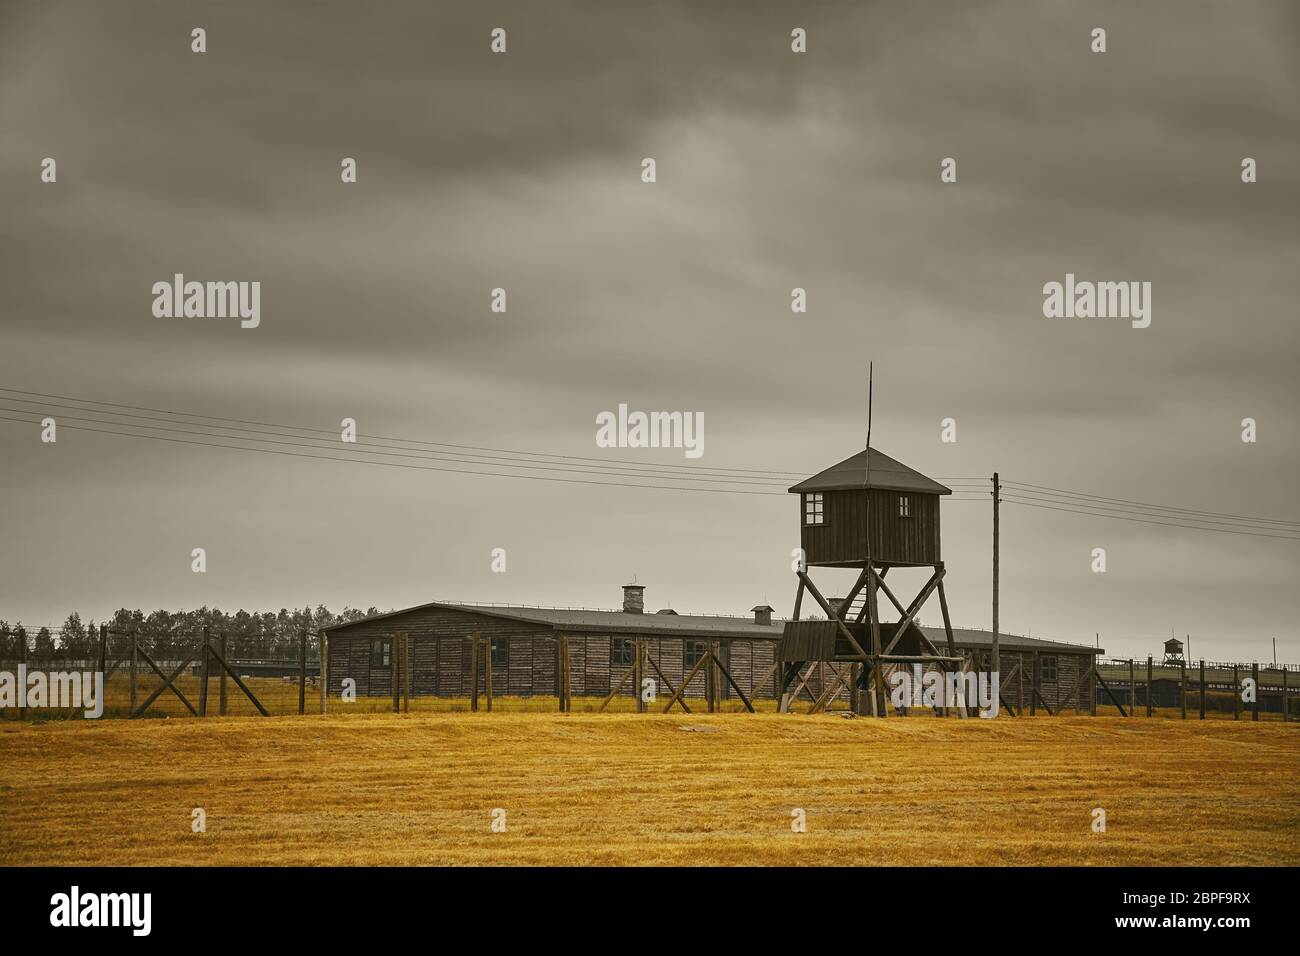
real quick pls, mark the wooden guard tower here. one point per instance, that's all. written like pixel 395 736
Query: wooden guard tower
pixel 872 513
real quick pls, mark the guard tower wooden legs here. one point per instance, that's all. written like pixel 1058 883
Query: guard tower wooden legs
pixel 866 668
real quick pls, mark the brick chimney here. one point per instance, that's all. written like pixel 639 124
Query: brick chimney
pixel 633 599
pixel 762 614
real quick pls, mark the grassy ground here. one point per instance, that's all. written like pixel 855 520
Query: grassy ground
pixel 624 788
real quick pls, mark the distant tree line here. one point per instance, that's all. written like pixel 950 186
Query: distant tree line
pixel 170 635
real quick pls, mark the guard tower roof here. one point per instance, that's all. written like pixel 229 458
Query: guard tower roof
pixel 886 475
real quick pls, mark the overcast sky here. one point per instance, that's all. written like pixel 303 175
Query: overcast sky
pixel 774 170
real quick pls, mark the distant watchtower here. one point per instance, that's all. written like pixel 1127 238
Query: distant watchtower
pixel 1173 651
pixel 874 513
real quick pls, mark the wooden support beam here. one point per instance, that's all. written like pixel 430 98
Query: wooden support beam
pixel 406 673
pixel 909 613
pixel 1109 693
pixel 167 683
pixel 638 674
pixel 1033 690
pixel 473 672
pixel 134 668
pixel 1254 704
pixel 829 690
pixel 618 687
pixel 561 652
pixel 223 699
pixel 1182 669
pixel 302 673
pixel 832 615
pixel 1149 685
pixel 1132 689
pixel 1202 714
pixel 732 681
pixel 395 670
pixel 680 693
pixel 1020 684
pixel 487 671
pixel 22 659
pixel 323 650
pixel 203 674
pixel 1236 693
pixel 879 705
pixel 767 675
pixel 238 683
pixel 663 679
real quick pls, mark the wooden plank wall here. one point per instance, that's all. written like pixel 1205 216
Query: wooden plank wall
pixel 913 540
pixel 440 647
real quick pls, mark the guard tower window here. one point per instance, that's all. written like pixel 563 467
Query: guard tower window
pixel 813 509
pixel 904 506
pixel 1049 668
pixel 622 651
pixel 381 652
pixel 693 653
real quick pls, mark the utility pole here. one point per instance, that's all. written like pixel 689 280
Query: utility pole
pixel 997 488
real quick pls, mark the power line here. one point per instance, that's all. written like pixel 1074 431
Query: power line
pixel 1098 514
pixel 415 441
pixel 1024 496
pixel 773 476
pixel 664 476
pixel 334 444
pixel 1213 514
pixel 394 464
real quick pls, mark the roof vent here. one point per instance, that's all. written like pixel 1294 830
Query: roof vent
pixel 634 599
pixel 666 610
pixel 762 614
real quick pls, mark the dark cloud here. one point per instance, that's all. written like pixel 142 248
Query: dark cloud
pixel 775 171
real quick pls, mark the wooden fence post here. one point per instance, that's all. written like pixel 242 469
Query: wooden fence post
pixel 487 671
pixel 473 673
pixel 1254 705
pixel 561 652
pixel 1202 714
pixel 1092 690
pixel 103 652
pixel 22 684
pixel 1182 669
pixel 1033 690
pixel 1148 685
pixel 395 670
pixel 134 655
pixel 1020 684
pixel 203 675
pixel 1286 703
pixel 638 674
pixel 1132 688
pixel 1236 693
pixel 406 673
pixel 323 668
pixel 302 673
pixel 221 683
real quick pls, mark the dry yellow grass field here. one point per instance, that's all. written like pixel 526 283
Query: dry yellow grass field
pixel 649 789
